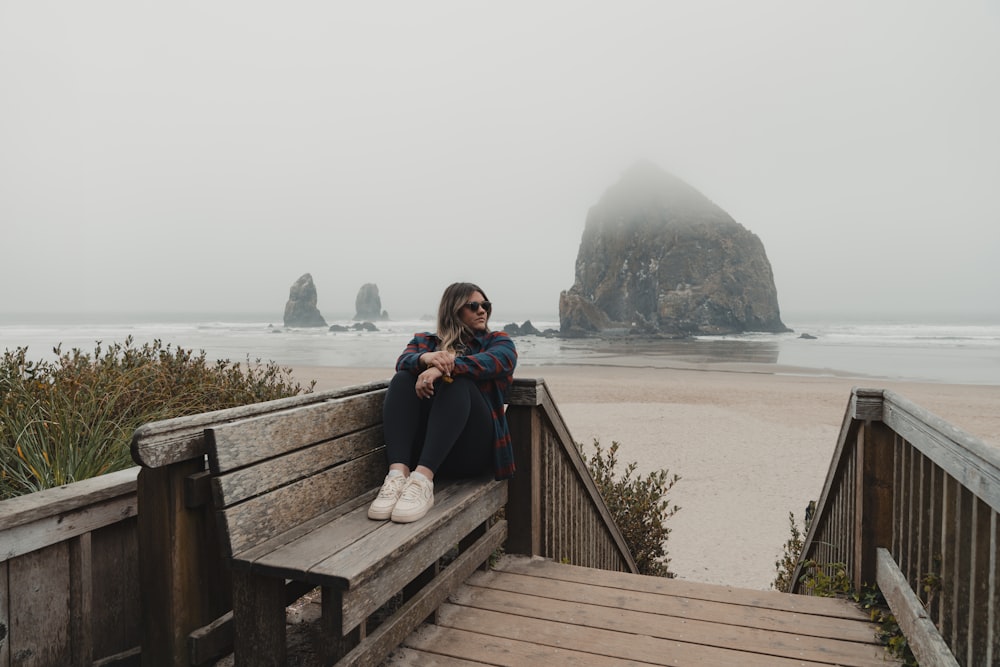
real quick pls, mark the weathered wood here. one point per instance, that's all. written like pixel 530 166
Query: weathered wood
pixel 926 643
pixel 628 583
pixel 114 573
pixel 542 439
pixel 215 640
pixel 250 441
pixel 380 643
pixel 259 620
pixel 69 498
pixel 173 570
pixel 945 497
pixel 729 609
pixel 524 508
pixel 838 477
pixel 871 519
pixel 39 631
pixel 541 617
pixel 264 516
pixel 968 459
pixel 129 658
pixel 981 547
pixel 363 600
pixel 5 616
pixel 271 474
pixel 163 443
pixel 81 598
pixel 37 520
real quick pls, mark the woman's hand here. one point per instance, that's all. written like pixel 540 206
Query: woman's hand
pixel 442 360
pixel 426 380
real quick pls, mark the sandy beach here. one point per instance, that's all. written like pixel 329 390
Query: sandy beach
pixel 751 442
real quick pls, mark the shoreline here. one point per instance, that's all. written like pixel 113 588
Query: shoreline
pixel 751 442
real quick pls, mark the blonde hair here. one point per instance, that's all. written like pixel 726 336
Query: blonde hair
pixel 450 328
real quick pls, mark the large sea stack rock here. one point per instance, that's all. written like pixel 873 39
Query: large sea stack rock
pixel 301 310
pixel 368 305
pixel 657 257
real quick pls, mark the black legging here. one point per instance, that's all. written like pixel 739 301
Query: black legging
pixel 451 433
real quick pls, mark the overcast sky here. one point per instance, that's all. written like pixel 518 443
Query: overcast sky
pixel 201 156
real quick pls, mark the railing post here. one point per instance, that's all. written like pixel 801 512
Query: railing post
pixel 873 500
pixel 172 581
pixel 524 501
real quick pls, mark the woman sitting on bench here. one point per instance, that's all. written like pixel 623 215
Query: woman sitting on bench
pixel 444 409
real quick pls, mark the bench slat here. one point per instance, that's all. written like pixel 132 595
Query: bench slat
pixel 365 598
pixel 235 487
pixel 244 559
pixel 362 547
pixel 232 446
pixel 260 518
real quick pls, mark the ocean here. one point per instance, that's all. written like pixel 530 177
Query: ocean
pixel 916 349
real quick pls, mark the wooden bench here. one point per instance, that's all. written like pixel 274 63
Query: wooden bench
pixel 291 491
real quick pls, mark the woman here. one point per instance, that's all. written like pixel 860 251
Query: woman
pixel 444 410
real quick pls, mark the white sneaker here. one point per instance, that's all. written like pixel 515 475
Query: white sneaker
pixel 417 498
pixel 381 507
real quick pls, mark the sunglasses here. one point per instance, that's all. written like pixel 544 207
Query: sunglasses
pixel 474 306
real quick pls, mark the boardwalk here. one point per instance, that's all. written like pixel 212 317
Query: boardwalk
pixel 536 612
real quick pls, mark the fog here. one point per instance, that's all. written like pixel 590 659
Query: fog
pixel 201 156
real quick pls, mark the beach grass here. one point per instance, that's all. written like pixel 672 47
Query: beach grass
pixel 72 418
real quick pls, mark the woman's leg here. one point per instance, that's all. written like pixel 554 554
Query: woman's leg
pixel 459 438
pixel 404 420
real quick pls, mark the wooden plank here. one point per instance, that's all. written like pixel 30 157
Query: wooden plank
pixel 266 476
pixel 81 599
pixel 117 607
pixel 258 621
pixel 170 441
pixel 363 600
pixel 871 518
pixel 361 560
pixel 850 629
pixel 979 574
pixel 926 643
pixel 407 657
pixel 394 630
pixel 173 565
pixel 720 633
pixel 259 518
pixel 60 500
pixel 538 637
pixel 802 604
pixel 245 559
pixel 40 608
pixel 344 553
pixel 57 528
pixel 438 645
pixel 247 441
pixel 5 618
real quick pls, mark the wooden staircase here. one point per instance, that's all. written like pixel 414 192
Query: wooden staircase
pixel 533 611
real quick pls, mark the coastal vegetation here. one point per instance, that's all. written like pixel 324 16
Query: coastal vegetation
pixel 72 418
pixel 639 506
pixel 832 580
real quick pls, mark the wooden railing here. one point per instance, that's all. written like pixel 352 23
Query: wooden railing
pixel 555 511
pixel 911 503
pixel 554 508
pixel 69 585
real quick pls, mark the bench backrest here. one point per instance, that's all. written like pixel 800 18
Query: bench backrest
pixel 276 471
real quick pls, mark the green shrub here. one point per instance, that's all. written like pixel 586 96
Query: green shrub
pixel 639 506
pixel 70 419
pixel 792 549
pixel 832 580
